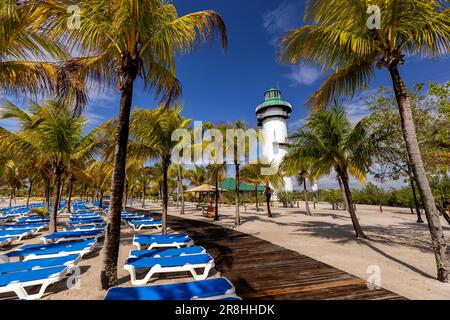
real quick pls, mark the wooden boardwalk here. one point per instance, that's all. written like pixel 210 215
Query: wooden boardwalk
pixel 262 270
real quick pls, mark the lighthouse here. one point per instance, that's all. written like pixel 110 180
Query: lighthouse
pixel 272 115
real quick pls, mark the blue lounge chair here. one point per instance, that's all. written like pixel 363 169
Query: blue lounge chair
pixel 135 217
pixel 212 289
pixel 165 253
pixel 20 234
pixel 171 264
pixel 4 241
pixel 33 220
pixel 85 222
pixel 11 267
pixel 85 228
pixel 53 250
pixel 162 241
pixel 72 236
pixel 17 282
pixel 138 225
pixel 90 217
pixel 37 227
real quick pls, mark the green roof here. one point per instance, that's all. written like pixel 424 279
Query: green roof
pixel 230 185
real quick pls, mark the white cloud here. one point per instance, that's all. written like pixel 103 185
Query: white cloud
pixel 295 124
pixel 357 107
pixel 303 74
pixel 93 119
pixel 283 18
pixel 330 182
pixel 103 99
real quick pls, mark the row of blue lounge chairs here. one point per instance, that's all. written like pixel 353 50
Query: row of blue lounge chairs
pixel 48 263
pixel 139 221
pixel 42 264
pixel 174 253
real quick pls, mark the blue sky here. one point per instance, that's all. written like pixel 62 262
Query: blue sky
pixel 225 86
pixel 220 86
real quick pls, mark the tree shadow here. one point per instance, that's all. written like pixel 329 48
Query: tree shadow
pixel 393 236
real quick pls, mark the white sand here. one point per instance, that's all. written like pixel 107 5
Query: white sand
pixel 398 245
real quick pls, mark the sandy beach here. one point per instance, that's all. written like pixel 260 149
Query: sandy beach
pixel 398 246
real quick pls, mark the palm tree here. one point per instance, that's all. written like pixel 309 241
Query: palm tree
pixel 100 172
pixel 180 174
pixel 136 38
pixel 216 173
pixel 233 148
pixel 197 176
pixel 152 132
pixel 302 176
pixel 253 173
pixel 55 135
pixel 330 142
pixel 303 169
pixel 145 180
pixel 25 45
pixel 341 41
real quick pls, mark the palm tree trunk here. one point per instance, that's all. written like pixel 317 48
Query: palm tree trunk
pixel 125 202
pixel 216 194
pixel 61 193
pixel 131 195
pixel 165 195
pixel 351 208
pixel 415 158
pixel 108 277
pixel 11 197
pixel 238 216
pixel 346 205
pixel 144 194
pixel 69 200
pixel 416 202
pixel 413 189
pixel 305 192
pixel 180 178
pixel 100 204
pixel 256 197
pixel 47 195
pixel 30 188
pixel 56 199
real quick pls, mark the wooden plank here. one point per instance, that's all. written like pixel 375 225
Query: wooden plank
pixel 262 270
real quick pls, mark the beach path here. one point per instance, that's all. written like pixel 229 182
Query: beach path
pixel 265 271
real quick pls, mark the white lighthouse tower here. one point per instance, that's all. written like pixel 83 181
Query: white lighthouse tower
pixel 272 115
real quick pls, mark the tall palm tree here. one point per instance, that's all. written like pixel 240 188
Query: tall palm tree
pixel 233 148
pixel 152 132
pixel 303 170
pixel 330 142
pixel 54 134
pixel 216 173
pixel 27 52
pixel 253 173
pixel 197 175
pixel 125 40
pixel 341 41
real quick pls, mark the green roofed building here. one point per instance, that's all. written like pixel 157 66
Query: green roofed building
pixel 229 184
